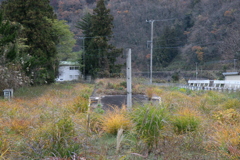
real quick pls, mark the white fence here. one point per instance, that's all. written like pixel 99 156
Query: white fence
pixel 213 85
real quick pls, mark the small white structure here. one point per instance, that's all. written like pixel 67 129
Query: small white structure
pixel 232 76
pixel 8 93
pixel 68 71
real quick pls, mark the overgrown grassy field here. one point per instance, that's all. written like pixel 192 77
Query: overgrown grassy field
pixel 54 122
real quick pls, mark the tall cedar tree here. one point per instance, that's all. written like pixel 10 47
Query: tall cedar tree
pixel 100 56
pixel 8 36
pixel 41 38
pixel 85 25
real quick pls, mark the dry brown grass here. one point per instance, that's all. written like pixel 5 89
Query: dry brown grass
pixel 116 119
pixel 27 125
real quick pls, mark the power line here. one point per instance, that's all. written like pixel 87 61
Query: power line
pixel 201 44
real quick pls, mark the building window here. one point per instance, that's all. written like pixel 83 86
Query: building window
pixel 74 68
pixel 71 76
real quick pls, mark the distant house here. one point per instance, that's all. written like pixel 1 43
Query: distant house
pixel 231 76
pixel 68 71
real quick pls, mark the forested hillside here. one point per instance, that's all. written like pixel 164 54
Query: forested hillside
pixel 202 30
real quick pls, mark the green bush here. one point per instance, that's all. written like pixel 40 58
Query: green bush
pixel 149 121
pixel 62 138
pixel 110 86
pixel 57 139
pixel 185 121
pixel 215 97
pixel 231 103
pixel 123 84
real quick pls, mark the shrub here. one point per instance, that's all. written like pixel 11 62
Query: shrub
pixel 215 97
pixel 185 120
pixel 230 116
pixel 149 120
pixel 100 83
pixel 158 91
pixel 114 120
pixel 175 77
pixel 58 138
pixel 80 104
pixel 231 103
pixel 149 93
pixel 226 140
pixel 19 125
pixel 110 85
pixel 183 90
pixel 94 122
pixel 123 84
pixel 3 147
pixel 99 110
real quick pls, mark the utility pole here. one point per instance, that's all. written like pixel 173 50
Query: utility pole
pixel 129 80
pixel 196 70
pixel 151 41
pixel 151 52
pixel 234 61
pixel 83 57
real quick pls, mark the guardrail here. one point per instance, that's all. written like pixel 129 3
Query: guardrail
pixel 213 85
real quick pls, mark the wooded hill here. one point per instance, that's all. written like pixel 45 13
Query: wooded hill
pixel 203 31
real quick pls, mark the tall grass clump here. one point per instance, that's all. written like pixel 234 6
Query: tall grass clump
pixel 226 140
pixel 231 103
pixel 149 93
pixel 57 139
pixel 174 99
pixel 80 104
pixel 185 121
pixel 158 91
pixel 215 98
pixel 149 121
pixel 94 122
pixel 116 119
pixel 229 116
pixel 20 125
pixel 3 147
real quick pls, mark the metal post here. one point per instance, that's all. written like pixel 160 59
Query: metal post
pixel 129 80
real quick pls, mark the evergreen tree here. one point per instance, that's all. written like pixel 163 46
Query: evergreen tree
pixel 8 36
pixel 165 48
pixel 41 38
pixel 85 25
pixel 100 56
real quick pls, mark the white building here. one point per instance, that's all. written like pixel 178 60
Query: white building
pixel 232 76
pixel 68 71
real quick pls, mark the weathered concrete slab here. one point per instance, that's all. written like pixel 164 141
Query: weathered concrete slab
pixel 112 101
